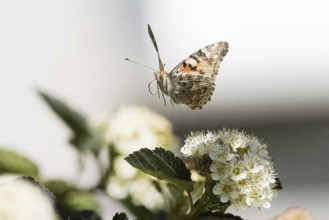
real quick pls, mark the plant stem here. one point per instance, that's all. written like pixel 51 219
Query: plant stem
pixel 208 201
pixel 190 200
pixel 201 205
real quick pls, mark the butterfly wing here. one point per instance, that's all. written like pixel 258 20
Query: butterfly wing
pixel 194 78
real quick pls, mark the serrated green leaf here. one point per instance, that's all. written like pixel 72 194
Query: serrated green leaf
pixel 83 137
pixel 11 162
pixel 120 216
pixel 218 216
pixel 49 194
pixel 85 215
pixel 163 165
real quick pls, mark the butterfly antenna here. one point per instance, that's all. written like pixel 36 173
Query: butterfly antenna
pixel 140 64
pixel 161 66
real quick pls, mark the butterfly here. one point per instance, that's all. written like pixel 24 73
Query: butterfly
pixel 192 81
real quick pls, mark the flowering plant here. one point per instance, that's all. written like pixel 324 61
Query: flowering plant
pixel 148 172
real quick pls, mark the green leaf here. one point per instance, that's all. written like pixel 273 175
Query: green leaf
pixel 177 203
pixel 11 162
pixel 59 187
pixel 120 216
pixel 41 187
pixel 141 212
pixel 83 136
pixel 163 165
pixel 82 205
pixel 218 216
pixel 278 184
pixel 85 215
pixel 81 200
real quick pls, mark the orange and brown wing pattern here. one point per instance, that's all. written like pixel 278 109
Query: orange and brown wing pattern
pixel 194 78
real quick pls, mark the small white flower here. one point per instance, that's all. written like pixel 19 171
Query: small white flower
pixel 123 169
pixel 253 164
pixel 239 141
pixel 144 193
pixel 226 191
pixel 238 171
pixel 219 170
pixel 220 153
pixel 117 188
pixel 21 200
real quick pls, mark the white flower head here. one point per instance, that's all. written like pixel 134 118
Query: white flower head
pixel 21 200
pixel 129 129
pixel 240 165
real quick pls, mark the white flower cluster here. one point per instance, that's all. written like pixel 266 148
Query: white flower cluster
pixel 239 164
pixel 129 129
pixel 21 200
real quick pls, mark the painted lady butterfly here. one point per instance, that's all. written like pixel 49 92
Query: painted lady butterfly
pixel 192 81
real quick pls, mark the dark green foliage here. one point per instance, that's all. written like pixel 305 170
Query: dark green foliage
pixel 83 137
pixel 85 215
pixel 120 216
pixel 163 165
pixel 71 197
pixel 278 184
pixel 218 216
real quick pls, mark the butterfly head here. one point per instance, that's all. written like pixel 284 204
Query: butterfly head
pixel 163 81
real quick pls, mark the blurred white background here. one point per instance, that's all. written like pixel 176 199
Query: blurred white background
pixel 274 80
